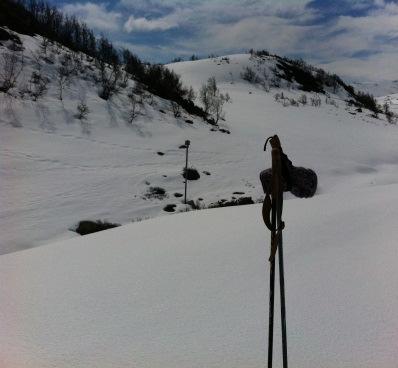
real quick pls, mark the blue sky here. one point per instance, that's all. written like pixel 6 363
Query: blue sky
pixel 357 39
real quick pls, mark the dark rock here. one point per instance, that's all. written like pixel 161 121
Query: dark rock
pixel 162 111
pixel 226 131
pixel 89 227
pixel 190 174
pixel 192 204
pixel 211 121
pixel 178 195
pixel 189 121
pixel 238 193
pixel 170 208
pixel 160 153
pixel 206 173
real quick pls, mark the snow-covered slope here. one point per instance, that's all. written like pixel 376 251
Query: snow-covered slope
pixel 190 290
pixel 56 170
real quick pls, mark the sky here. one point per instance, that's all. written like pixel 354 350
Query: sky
pixel 357 39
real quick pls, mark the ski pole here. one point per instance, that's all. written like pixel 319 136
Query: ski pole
pixel 275 224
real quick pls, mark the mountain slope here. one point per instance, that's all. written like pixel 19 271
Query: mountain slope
pixel 58 170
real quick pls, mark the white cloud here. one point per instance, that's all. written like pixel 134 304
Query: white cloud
pixel 95 15
pixel 142 24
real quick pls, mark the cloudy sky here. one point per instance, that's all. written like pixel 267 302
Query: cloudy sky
pixel 355 38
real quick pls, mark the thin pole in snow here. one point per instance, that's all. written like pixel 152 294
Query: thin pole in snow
pixel 187 143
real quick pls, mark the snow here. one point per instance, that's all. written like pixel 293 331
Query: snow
pixel 191 290
pixel 56 171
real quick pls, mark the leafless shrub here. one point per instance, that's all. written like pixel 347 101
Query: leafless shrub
pixel 303 99
pixel 82 110
pixel 38 85
pixel 316 101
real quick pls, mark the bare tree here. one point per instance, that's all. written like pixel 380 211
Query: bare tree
pixel 44 45
pixel 11 66
pixel 390 116
pixel 133 112
pixel 213 100
pixel 109 78
pixel 64 74
pixel 191 95
pixel 176 109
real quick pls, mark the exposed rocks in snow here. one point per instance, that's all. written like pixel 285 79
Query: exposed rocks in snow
pixel 233 202
pixel 170 208
pixel 156 192
pixel 190 173
pixel 88 227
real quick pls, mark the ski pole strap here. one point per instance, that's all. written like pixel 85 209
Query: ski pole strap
pixel 274 197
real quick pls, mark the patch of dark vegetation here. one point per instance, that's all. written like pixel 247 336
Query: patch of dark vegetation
pixel 233 202
pixel 190 173
pixel 162 111
pixel 313 79
pixel 89 227
pixel 160 153
pixel 297 70
pixel 178 195
pixel 156 192
pixel 170 208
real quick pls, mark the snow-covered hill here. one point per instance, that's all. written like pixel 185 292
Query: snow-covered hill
pixel 56 170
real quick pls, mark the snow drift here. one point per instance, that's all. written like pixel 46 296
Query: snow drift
pixel 190 290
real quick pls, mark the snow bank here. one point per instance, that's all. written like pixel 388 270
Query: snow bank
pixel 190 290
